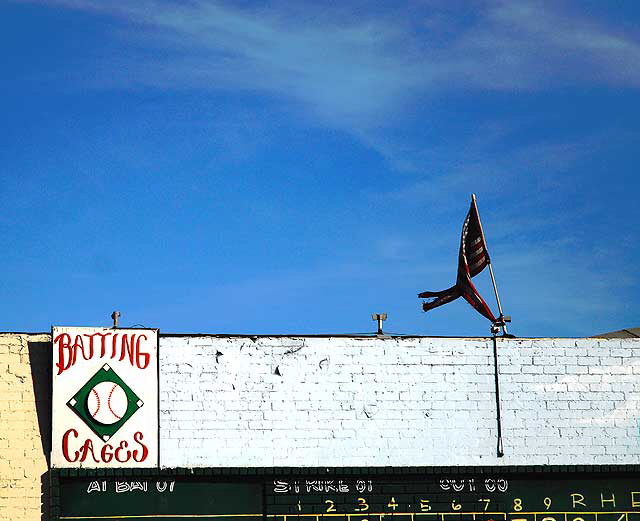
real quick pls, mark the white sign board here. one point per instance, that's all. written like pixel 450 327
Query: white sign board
pixel 105 397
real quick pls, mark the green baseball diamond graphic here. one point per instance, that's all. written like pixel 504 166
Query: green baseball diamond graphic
pixel 79 403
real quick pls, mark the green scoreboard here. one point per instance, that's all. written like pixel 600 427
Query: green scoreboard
pixel 351 494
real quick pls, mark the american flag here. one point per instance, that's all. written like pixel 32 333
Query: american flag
pixel 472 259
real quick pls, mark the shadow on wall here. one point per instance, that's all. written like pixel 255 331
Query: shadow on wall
pixel 40 361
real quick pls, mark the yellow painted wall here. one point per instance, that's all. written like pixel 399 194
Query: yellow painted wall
pixel 25 411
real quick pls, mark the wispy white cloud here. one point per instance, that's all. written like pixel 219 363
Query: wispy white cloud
pixel 365 73
pixel 453 170
pixel 356 70
pixel 344 71
pixel 533 44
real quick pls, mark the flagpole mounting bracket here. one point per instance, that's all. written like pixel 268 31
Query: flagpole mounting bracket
pixel 500 322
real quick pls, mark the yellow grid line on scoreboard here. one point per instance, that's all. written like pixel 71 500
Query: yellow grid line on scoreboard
pixel 514 516
pixel 458 513
pixel 162 516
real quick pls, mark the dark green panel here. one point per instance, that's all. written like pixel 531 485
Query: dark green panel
pixel 354 495
pixel 514 498
pixel 118 498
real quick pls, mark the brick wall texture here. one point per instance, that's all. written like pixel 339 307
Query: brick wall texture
pixel 314 401
pixel 24 402
pixel 397 401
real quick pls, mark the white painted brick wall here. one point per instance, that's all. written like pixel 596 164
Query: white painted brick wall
pixel 397 401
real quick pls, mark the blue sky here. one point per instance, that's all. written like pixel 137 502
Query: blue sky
pixel 236 167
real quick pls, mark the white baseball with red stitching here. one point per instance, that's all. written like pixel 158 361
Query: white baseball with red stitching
pixel 107 403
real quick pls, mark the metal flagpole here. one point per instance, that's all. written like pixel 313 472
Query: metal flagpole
pixel 499 449
pixel 493 279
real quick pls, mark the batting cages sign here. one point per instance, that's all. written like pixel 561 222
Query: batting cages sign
pixel 105 397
